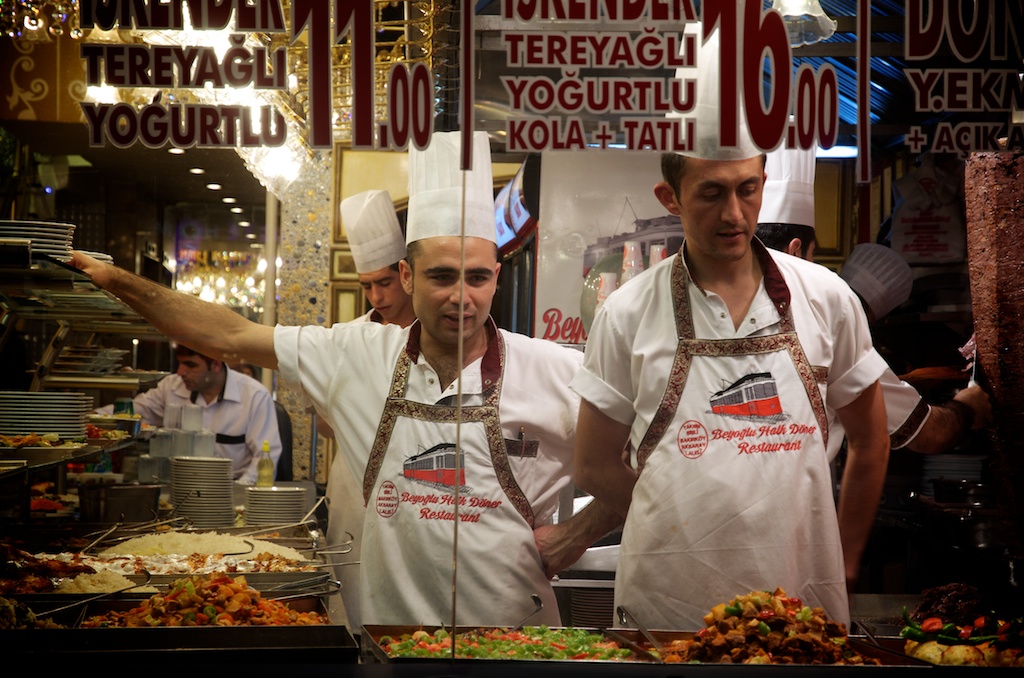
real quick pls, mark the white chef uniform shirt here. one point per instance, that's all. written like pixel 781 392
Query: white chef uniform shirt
pixel 905 411
pixel 345 371
pixel 245 408
pixel 632 344
pixel 832 327
pixel 345 517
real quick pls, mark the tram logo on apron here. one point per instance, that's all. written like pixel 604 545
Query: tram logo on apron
pixel 437 466
pixel 435 471
pixel 755 396
pixel 754 400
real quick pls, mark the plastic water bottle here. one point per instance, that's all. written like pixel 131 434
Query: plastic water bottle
pixel 265 467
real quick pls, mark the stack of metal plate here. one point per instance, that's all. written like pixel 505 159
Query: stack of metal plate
pixel 50 238
pixel 42 413
pixel 92 360
pixel 274 505
pixel 202 489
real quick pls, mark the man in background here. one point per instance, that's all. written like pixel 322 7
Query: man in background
pixel 378 245
pixel 882 280
pixel 237 408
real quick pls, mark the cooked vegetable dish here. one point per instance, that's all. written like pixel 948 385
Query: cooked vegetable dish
pixel 215 600
pixel 766 628
pixel 530 642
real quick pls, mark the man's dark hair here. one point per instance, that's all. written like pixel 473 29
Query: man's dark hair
pixel 673 166
pixel 182 351
pixel 778 236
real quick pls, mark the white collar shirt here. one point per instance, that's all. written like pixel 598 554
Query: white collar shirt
pixel 345 371
pixel 632 343
pixel 245 408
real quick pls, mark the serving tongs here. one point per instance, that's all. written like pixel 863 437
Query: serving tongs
pixel 135 529
pixel 320 585
pixel 632 645
pixel 339 549
pixel 264 529
pixel 84 601
pixel 867 632
pixel 538 605
pixel 625 616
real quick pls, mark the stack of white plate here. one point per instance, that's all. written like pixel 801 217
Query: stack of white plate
pixel 40 412
pixel 48 237
pixel 274 505
pixel 202 490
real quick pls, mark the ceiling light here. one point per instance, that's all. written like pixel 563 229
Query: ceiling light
pixel 197 170
pixel 174 150
pixel 806 22
pixel 229 200
pixel 250 236
pixel 244 224
pixel 214 187
pixel 237 210
pixel 836 152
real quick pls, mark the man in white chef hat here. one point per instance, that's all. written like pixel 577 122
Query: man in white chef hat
pixel 377 244
pixel 720 372
pixel 882 280
pixel 480 448
pixel 786 219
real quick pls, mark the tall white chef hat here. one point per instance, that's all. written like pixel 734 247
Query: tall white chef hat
pixel 880 276
pixel 374 233
pixel 436 190
pixel 789 189
pixel 707 143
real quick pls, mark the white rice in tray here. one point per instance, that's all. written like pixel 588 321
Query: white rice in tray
pixel 206 543
pixel 103 581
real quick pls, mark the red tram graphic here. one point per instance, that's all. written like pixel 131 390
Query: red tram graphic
pixel 755 395
pixel 436 465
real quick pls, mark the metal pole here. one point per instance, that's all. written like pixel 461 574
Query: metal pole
pixel 270 275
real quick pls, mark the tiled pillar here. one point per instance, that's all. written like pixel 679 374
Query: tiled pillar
pixel 303 295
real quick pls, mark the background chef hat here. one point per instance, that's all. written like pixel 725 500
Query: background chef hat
pixel 374 233
pixel 707 140
pixel 789 189
pixel 880 276
pixel 435 189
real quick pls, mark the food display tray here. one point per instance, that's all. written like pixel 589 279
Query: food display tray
pixel 888 651
pixel 372 652
pixel 291 582
pixel 185 646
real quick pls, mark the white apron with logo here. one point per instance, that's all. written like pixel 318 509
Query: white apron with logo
pixel 410 492
pixel 734 490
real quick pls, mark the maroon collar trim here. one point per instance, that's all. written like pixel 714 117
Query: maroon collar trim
pixel 490 367
pixel 774 284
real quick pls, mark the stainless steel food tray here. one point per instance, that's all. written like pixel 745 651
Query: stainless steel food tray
pixel 889 652
pixel 185 646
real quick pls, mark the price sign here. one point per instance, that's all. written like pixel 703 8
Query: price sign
pixel 410 108
pixel 800 111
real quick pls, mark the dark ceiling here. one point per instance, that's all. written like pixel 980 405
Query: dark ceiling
pixel 156 176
